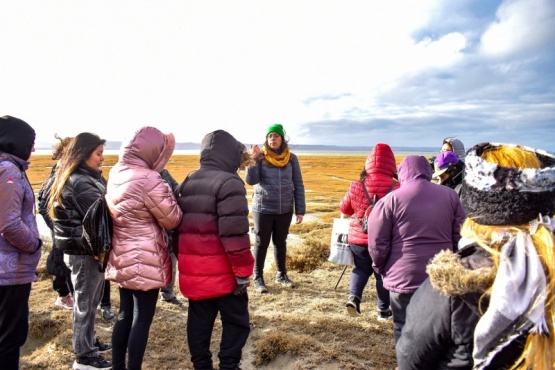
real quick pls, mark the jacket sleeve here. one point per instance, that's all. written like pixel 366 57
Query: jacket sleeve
pixel 161 203
pixel 346 205
pixel 380 234
pixel 427 330
pixel 168 178
pixel 12 227
pixel 85 192
pixel 252 176
pixel 460 216
pixel 233 225
pixel 300 204
pixel 43 200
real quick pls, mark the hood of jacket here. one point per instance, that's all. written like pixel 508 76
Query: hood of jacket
pixel 454 275
pixel 381 160
pixel 148 146
pixel 16 137
pixel 414 168
pixel 457 145
pixel 221 150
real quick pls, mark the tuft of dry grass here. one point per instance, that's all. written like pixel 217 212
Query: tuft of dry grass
pixel 302 328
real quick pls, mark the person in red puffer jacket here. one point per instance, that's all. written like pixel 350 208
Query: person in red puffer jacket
pixel 378 177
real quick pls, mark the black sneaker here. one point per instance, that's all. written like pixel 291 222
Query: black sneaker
pixel 107 313
pixel 281 278
pixel 353 306
pixel 259 285
pixel 385 315
pixel 102 347
pixel 173 300
pixel 91 363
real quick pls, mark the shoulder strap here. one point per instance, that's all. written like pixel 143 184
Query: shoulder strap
pixel 366 191
pixel 376 198
pixel 391 187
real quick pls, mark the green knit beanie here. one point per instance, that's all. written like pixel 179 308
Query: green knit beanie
pixel 276 127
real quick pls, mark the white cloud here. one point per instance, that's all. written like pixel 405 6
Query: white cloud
pixel 192 67
pixel 521 26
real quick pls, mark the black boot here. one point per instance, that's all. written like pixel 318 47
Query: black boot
pixel 353 306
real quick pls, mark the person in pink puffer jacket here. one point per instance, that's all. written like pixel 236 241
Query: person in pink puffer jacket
pixel 378 177
pixel 142 205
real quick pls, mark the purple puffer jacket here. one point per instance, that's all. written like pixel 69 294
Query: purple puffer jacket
pixel 381 167
pixel 142 205
pixel 411 225
pixel 20 246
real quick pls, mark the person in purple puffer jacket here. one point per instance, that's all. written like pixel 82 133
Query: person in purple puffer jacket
pixel 409 226
pixel 20 245
pixel 378 177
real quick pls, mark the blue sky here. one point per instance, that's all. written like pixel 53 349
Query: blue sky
pixel 403 72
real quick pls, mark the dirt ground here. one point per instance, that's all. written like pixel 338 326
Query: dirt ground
pixel 302 328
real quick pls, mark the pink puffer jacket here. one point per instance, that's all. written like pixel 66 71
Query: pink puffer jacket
pixel 142 206
pixel 380 168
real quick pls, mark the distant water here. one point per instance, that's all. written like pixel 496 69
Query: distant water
pixel 298 152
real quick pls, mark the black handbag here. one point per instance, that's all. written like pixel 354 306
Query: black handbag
pixel 55 264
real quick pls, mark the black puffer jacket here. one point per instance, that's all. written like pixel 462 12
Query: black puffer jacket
pixel 214 245
pixel 443 313
pixel 82 188
pixel 43 198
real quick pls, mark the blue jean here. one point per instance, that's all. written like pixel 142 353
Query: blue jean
pixel 399 304
pixel 130 334
pixel 362 272
pixel 88 284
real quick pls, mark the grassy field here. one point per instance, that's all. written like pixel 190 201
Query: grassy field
pixel 302 328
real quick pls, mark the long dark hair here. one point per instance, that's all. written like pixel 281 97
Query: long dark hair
pixel 77 152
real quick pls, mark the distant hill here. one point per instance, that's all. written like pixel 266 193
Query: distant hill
pixel 115 145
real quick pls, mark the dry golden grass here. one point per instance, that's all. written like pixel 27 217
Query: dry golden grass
pixel 302 328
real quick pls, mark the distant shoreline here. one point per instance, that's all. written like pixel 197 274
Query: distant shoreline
pixel 300 152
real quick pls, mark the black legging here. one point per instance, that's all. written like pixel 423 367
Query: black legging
pixel 130 332
pixel 276 228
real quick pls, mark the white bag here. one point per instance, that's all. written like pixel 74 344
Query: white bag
pixel 340 252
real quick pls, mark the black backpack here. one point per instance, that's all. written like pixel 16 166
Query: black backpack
pixel 364 222
pixel 97 232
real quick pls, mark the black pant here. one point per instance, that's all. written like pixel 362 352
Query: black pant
pixel 268 226
pixel 14 323
pixel 131 330
pixel 234 313
pixel 62 284
pixel 105 300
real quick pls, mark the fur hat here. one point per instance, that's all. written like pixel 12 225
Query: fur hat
pixel 16 137
pixel 496 195
pixel 276 127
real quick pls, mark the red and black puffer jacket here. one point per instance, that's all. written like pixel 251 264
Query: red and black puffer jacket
pixel 380 168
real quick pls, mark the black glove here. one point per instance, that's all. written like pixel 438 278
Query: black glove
pixel 242 285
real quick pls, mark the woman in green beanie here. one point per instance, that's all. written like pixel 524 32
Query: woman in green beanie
pixel 278 193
